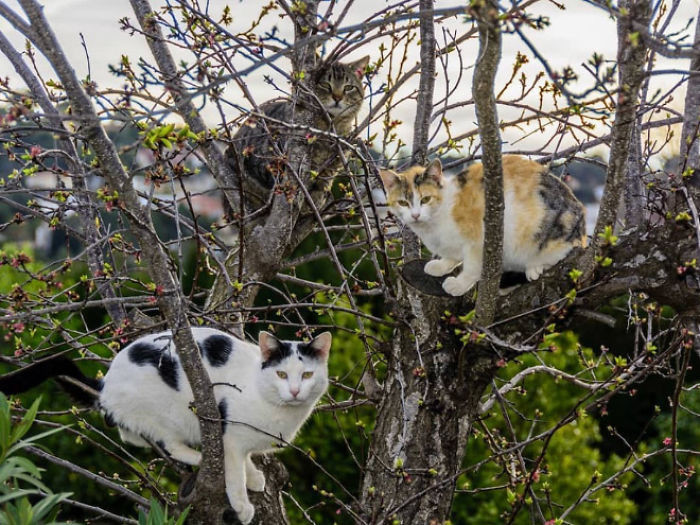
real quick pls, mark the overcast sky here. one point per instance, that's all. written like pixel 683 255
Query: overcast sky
pixel 573 35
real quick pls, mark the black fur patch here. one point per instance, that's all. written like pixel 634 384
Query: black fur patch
pixel 147 354
pixel 462 178
pixel 564 214
pixel 283 351
pixel 307 350
pixel 425 178
pixel 109 420
pixel 223 410
pixel 217 349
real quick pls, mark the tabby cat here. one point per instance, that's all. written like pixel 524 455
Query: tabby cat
pixel 257 151
pixel 543 220
pixel 264 394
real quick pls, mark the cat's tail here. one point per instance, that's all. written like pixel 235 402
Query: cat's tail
pixel 81 388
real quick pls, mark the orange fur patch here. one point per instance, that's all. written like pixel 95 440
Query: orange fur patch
pixel 521 177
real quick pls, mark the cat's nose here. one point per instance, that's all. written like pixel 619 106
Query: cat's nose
pixel 337 97
pixel 415 215
pixel 294 391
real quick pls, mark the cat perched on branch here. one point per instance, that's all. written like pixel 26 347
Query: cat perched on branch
pixel 257 151
pixel 543 219
pixel 264 394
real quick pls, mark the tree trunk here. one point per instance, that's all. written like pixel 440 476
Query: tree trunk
pixel 423 422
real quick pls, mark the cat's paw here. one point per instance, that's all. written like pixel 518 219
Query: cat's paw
pixel 244 510
pixel 458 285
pixel 255 480
pixel 184 454
pixel 439 267
pixel 534 272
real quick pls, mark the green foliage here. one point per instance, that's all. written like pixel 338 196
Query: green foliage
pixel 607 237
pixel 658 496
pixel 157 515
pixel 20 479
pixel 573 457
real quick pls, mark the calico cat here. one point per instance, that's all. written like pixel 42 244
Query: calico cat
pixel 264 394
pixel 256 153
pixel 543 220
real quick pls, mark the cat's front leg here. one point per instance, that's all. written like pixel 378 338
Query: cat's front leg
pixel 440 267
pixel 235 474
pixel 460 284
pixel 468 277
pixel 254 478
pixel 183 453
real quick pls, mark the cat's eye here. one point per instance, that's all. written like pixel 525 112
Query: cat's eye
pixel 426 199
pixel 349 88
pixel 403 203
pixel 282 375
pixel 307 375
pixel 325 85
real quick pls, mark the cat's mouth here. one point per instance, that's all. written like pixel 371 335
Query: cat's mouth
pixel 336 109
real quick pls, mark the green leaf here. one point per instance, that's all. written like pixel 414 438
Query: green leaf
pixel 23 426
pixel 17 493
pixel 5 422
pixel 47 504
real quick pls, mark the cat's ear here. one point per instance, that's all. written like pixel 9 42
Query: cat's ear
pixel 321 345
pixel 358 67
pixel 269 344
pixel 434 171
pixel 389 178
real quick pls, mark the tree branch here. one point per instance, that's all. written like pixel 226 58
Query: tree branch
pixel 486 13
pixel 426 87
pixel 88 212
pixel 631 54
pixel 183 102
pixel 690 141
pixel 211 499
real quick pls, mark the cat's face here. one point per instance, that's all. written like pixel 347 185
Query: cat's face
pixel 293 372
pixel 339 87
pixel 414 195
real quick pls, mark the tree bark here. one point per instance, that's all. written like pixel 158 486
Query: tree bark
pixel 261 247
pixel 487 20
pixel 634 188
pixel 423 423
pixel 690 143
pixel 426 86
pixel 631 54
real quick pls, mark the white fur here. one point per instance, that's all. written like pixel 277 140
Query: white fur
pixel 262 413
pixel 437 229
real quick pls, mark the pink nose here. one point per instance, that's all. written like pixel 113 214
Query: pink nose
pixel 294 392
pixel 415 215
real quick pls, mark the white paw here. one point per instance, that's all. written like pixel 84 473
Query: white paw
pixel 244 510
pixel 439 267
pixel 458 285
pixel 255 481
pixel 185 454
pixel 534 272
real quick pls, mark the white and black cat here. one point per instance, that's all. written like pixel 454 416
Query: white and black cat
pixel 264 394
